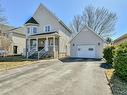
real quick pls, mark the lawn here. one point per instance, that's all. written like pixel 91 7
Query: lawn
pixel 119 86
pixel 14 62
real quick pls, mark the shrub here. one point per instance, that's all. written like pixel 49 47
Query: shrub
pixel 120 61
pixel 120 66
pixel 121 49
pixel 108 54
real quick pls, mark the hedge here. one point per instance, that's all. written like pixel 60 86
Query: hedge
pixel 120 66
pixel 120 61
pixel 108 54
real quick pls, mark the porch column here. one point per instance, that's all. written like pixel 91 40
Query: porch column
pixel 46 44
pixel 54 46
pixel 28 45
pixel 36 44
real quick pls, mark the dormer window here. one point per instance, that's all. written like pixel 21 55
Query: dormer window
pixel 34 29
pixel 47 28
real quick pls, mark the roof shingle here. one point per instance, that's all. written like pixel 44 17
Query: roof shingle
pixel 32 20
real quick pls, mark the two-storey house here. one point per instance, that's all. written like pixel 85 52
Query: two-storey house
pixel 46 35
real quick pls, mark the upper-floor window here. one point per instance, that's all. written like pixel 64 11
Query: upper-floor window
pixel 28 30
pixel 34 29
pixel 47 28
pixel 31 30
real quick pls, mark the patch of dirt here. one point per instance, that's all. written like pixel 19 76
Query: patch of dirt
pixel 119 87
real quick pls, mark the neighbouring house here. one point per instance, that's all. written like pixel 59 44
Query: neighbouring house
pixel 16 37
pixel 120 40
pixel 46 35
pixel 87 44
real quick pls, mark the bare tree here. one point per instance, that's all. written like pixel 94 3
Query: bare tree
pixel 101 20
pixel 109 40
pixel 77 24
pixel 5 42
pixel 3 19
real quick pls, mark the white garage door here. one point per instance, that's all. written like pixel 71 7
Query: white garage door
pixel 86 51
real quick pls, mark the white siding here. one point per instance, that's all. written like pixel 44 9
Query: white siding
pixel 44 17
pixel 86 37
pixel 19 41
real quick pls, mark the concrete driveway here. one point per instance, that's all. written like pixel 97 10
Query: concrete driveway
pixel 79 77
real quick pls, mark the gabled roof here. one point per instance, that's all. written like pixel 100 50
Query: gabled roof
pixel 121 37
pixel 32 20
pixel 91 31
pixel 18 30
pixel 57 19
pixel 5 28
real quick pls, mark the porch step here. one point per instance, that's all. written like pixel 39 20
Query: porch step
pixel 45 55
pixel 34 56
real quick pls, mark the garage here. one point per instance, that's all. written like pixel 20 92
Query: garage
pixel 86 51
pixel 87 44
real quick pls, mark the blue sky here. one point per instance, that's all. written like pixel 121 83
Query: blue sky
pixel 18 11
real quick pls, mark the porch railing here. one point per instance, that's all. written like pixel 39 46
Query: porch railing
pixel 31 52
pixel 43 52
pixel 40 53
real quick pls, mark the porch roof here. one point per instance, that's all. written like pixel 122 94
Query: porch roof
pixel 45 33
pixel 55 33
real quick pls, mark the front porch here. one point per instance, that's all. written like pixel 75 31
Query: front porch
pixel 43 45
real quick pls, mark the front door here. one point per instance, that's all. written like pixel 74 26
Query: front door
pixel 41 44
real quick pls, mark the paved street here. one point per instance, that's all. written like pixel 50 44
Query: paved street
pixel 58 78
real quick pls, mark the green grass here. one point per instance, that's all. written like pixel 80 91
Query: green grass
pixel 14 59
pixel 7 63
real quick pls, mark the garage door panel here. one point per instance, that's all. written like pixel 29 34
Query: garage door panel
pixel 86 51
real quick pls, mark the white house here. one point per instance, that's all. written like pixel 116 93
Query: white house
pixel 87 44
pixel 17 38
pixel 17 35
pixel 46 35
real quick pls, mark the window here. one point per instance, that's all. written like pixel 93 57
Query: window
pixel 28 30
pixel 51 42
pixel 34 30
pixel 33 42
pixel 91 49
pixel 47 28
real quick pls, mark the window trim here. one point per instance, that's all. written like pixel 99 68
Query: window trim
pixel 33 30
pixel 47 28
pixel 28 30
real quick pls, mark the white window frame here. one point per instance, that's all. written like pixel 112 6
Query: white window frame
pixel 33 29
pixel 48 29
pixel 28 28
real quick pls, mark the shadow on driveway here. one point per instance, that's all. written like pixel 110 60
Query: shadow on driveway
pixel 106 65
pixel 68 59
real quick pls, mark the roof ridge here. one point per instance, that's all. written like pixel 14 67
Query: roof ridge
pixel 58 19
